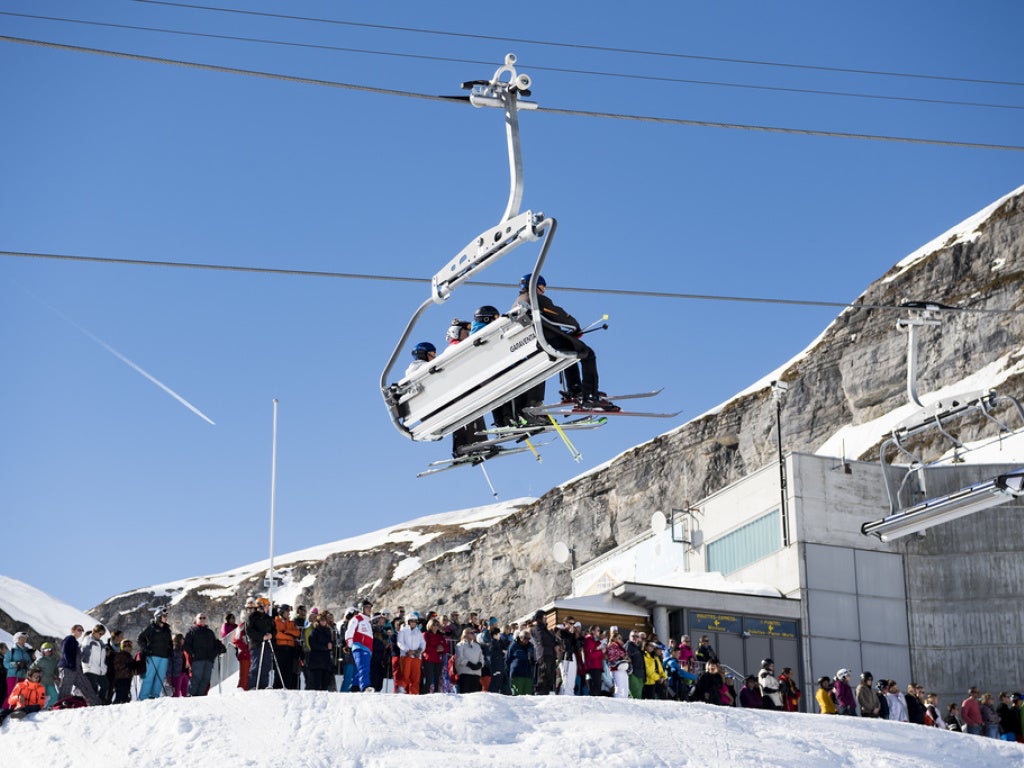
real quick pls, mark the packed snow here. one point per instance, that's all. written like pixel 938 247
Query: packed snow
pixel 306 729
pixel 47 615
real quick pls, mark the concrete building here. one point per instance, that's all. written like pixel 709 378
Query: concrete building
pixel 792 577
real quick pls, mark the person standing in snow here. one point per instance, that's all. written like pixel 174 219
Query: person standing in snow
pixel 769 685
pixel 825 697
pixel 846 704
pixel 411 645
pixel 70 667
pixel 867 699
pixel 155 644
pixel 286 641
pixel 123 664
pixel 897 703
pixel 469 661
pixel 17 661
pixel 320 666
pixel 202 647
pixel 94 660
pixel 259 630
pixel 359 635
pixel 179 669
pixel 434 646
pixel 47 665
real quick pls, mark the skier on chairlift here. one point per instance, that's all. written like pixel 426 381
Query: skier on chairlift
pixel 562 331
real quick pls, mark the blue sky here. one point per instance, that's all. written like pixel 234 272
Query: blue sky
pixel 107 483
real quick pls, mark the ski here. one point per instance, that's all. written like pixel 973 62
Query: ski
pixel 527 430
pixel 613 398
pixel 469 460
pixel 577 411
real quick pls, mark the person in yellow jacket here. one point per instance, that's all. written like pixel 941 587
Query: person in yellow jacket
pixel 655 675
pixel 826 704
pixel 28 696
pixel 286 644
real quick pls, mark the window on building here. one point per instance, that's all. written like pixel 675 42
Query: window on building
pixel 746 544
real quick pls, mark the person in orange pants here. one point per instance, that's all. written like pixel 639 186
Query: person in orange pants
pixel 411 645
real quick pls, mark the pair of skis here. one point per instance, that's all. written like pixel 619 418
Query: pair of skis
pixel 493 447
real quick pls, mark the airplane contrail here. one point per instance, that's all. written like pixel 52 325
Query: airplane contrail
pixel 123 359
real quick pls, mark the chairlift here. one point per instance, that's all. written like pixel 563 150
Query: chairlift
pixel 906 518
pixel 510 355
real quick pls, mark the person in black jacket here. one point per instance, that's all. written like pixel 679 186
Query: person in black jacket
pixel 320 666
pixel 155 644
pixel 637 674
pixel 562 331
pixel 710 687
pixel 498 646
pixel 202 647
pixel 544 649
pixel 259 629
pixel 915 706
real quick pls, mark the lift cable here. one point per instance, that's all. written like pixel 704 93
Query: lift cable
pixel 484 284
pixel 549 110
pixel 539 67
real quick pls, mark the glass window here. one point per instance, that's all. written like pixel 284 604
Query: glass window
pixel 746 544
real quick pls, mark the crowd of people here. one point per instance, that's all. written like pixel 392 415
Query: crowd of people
pixel 410 653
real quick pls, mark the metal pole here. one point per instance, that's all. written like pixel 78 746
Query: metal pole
pixel 779 389
pixel 273 495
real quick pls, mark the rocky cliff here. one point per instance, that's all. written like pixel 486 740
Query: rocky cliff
pixel 853 373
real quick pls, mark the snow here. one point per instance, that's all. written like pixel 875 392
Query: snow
pixel 45 614
pixel 302 728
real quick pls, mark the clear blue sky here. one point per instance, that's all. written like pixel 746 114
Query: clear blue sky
pixel 107 483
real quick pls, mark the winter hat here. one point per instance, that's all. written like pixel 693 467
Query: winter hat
pixel 157 612
pixel 314 611
pixel 46 647
pixel 18 635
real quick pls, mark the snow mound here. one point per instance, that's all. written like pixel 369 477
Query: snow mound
pixel 47 615
pixel 302 728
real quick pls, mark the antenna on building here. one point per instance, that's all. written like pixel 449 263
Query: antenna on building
pixel 562 553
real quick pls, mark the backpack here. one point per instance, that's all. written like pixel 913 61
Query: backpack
pixel 70 702
pixel 452 674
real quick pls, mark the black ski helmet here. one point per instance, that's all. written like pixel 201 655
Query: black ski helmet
pixel 486 314
pixel 866 677
pixel 765 663
pixel 824 680
pixel 421 350
pixel 524 282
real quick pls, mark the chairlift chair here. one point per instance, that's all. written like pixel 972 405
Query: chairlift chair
pixel 508 356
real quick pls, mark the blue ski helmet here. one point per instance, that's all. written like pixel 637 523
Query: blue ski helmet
pixel 421 350
pixel 524 282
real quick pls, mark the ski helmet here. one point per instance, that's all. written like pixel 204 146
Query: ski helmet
pixel 421 350
pixel 486 314
pixel 765 663
pixel 823 680
pixel 524 282
pixel 842 673
pixel 456 328
pixel 866 677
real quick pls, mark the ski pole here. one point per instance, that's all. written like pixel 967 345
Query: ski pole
pixel 573 451
pixel 594 325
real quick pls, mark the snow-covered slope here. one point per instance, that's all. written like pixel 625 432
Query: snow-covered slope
pixel 293 728
pixel 46 615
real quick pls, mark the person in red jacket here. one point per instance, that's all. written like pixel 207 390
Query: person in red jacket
pixel 433 656
pixel 593 659
pixel 970 713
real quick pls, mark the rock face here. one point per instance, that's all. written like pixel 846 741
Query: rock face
pixel 854 373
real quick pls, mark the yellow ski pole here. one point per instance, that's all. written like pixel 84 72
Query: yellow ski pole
pixel 576 455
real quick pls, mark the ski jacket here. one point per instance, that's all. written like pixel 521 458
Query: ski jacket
pixel 258 626
pixel 915 709
pixel 705 653
pixel 320 640
pixel 844 695
pixel 410 641
pixel 69 651
pixel 179 663
pixel 543 642
pixel 636 658
pixel 496 659
pixel 790 693
pixel 750 698
pixel 360 631
pixel 520 660
pixel 48 666
pixel 155 640
pixel 970 712
pixel 551 314
pixel 201 644
pixel 685 655
pixel 124 665
pixel 867 700
pixel 27 694
pixel 616 656
pixel 770 687
pixel 94 656
pixel 826 706
pixel 17 661
pixel 709 689
pixel 469 658
pixel 434 646
pixel 593 655
pixel 286 632
pixel 897 707
pixel 654 670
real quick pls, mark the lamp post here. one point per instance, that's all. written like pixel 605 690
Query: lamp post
pixel 779 389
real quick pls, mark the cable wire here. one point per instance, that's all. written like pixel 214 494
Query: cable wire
pixel 486 284
pixel 582 46
pixel 537 67
pixel 549 110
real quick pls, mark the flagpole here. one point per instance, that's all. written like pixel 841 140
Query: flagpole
pixel 273 496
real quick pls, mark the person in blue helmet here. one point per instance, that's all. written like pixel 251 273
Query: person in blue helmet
pixel 422 353
pixel 562 331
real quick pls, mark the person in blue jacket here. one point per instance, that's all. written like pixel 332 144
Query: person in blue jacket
pixel 520 662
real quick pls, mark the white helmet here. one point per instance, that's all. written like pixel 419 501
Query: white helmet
pixel 842 673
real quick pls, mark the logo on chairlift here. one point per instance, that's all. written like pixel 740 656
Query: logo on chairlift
pixel 523 342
